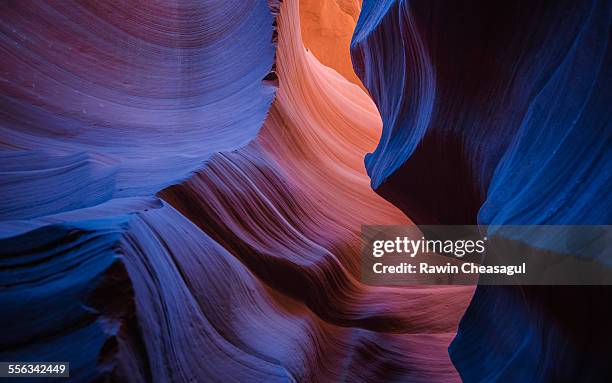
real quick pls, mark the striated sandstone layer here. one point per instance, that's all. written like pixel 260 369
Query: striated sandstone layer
pixel 290 206
pixel 154 228
pixel 103 100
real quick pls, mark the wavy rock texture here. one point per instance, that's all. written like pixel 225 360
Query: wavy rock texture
pixel 499 113
pixel 105 100
pixel 146 236
pixel 290 206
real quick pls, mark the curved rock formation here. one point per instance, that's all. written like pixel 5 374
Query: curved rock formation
pixel 298 195
pixel 147 235
pixel 106 100
pixel 498 113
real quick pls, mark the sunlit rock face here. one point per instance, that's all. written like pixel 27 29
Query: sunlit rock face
pixel 155 228
pixel 327 27
pixel 499 113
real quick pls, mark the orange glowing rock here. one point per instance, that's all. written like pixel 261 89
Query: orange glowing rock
pixel 327 27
